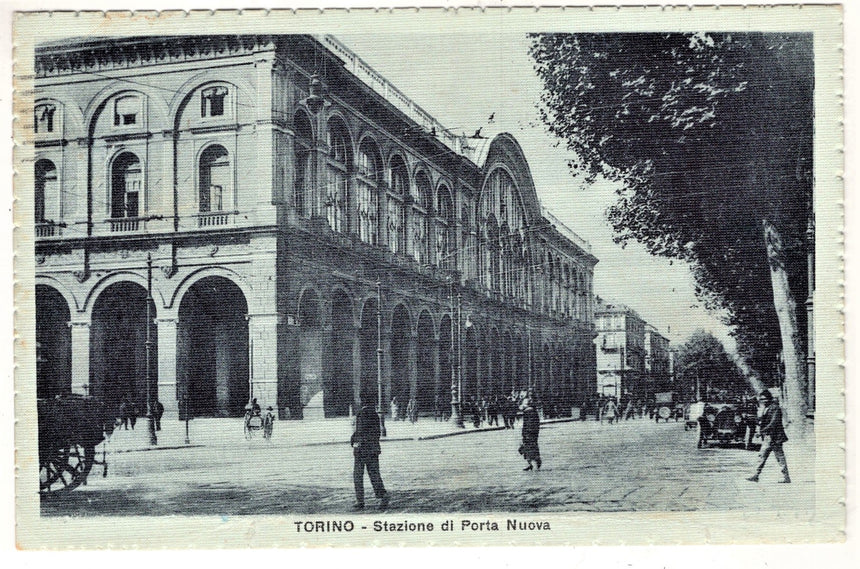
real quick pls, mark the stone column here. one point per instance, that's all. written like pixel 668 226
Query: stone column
pixel 413 365
pixel 263 357
pixel 80 356
pixel 356 370
pixel 167 393
pixel 438 390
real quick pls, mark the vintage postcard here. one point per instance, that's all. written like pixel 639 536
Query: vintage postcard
pixel 429 277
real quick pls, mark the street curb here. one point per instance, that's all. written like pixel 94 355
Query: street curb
pixel 147 449
pixel 465 431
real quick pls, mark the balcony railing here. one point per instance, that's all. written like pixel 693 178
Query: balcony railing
pixel 214 218
pixel 48 229
pixel 125 224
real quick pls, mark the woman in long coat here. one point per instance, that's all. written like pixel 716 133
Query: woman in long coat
pixel 531 430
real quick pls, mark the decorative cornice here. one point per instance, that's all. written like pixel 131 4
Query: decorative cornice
pixel 109 54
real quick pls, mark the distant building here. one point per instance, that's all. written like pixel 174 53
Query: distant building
pixel 620 350
pixel 658 362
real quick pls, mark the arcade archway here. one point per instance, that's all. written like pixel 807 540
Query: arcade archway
pixel 401 336
pixel 118 345
pixel 426 388
pixel 53 343
pixel 338 394
pixel 212 349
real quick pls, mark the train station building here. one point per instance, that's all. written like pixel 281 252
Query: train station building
pixel 297 221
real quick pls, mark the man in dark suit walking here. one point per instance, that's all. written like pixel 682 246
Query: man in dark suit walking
pixel 773 435
pixel 366 450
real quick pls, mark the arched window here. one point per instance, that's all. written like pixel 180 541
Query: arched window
pixel 337 185
pixel 396 210
pixel 47 192
pixel 367 191
pixel 422 210
pixel 126 186
pixel 491 254
pixel 303 155
pixel 214 179
pixel 45 118
pixel 445 228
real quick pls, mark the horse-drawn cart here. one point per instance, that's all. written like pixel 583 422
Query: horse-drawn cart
pixel 70 429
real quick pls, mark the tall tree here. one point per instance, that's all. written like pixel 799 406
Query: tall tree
pixel 710 139
pixel 704 368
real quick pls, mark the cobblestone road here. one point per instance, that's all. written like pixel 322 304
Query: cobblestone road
pixel 636 465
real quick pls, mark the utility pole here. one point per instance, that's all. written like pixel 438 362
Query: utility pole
pixel 150 399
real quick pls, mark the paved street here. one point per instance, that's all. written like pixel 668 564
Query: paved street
pixel 635 465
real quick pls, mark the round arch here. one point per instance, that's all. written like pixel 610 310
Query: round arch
pixel 212 353
pixel 53 342
pixel 425 390
pixel 117 277
pixel 61 288
pixel 157 115
pixel 244 90
pixel 118 334
pixel 202 273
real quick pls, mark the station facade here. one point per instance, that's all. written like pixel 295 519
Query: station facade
pixel 297 221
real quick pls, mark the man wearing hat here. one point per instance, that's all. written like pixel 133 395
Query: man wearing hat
pixel 366 450
pixel 773 435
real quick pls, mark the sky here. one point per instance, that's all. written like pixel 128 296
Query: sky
pixel 461 80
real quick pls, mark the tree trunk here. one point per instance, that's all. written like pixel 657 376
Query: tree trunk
pixel 792 348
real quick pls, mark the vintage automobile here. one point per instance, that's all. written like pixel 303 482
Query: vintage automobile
pixel 666 407
pixel 723 423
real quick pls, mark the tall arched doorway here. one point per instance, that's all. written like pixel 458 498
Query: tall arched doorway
pixel 401 336
pixel 53 343
pixel 368 340
pixel 470 364
pixel 445 355
pixel 494 386
pixel 426 388
pixel 212 348
pixel 118 346
pixel 338 394
pixel 508 361
pixel 310 345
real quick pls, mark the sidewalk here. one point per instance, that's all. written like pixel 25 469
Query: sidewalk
pixel 229 432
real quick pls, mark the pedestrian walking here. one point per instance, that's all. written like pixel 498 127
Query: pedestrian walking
pixel 531 429
pixel 366 450
pixel 610 410
pixel 773 436
pixel 133 412
pixel 123 413
pixel 157 414
pixel 628 412
pixel 395 409
pixel 412 410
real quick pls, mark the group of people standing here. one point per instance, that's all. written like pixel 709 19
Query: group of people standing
pixel 128 413
pixel 487 411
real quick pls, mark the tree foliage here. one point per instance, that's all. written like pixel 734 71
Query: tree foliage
pixel 703 362
pixel 708 136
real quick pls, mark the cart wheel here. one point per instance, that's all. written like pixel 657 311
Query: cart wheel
pixel 66 469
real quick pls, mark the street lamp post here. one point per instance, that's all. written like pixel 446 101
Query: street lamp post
pixel 150 400
pixel 456 363
pixel 379 350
